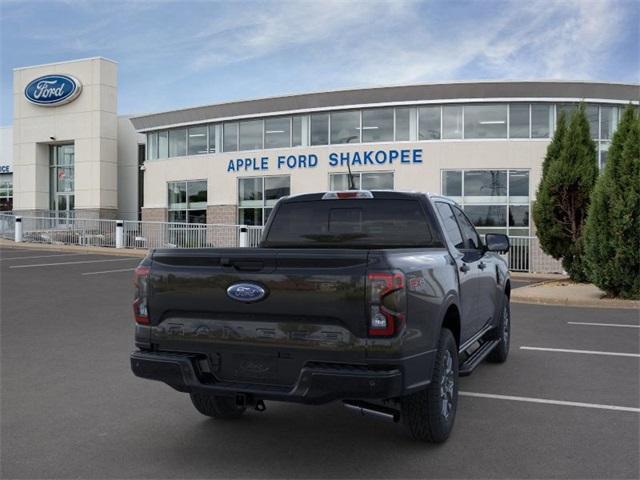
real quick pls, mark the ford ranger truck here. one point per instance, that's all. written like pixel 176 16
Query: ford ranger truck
pixel 378 299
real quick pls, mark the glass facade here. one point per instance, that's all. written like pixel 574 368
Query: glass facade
pixel 485 121
pixel 362 180
pixel 6 192
pixel 383 124
pixel 187 201
pixel 496 201
pixel 61 179
pixel 377 125
pixel 258 195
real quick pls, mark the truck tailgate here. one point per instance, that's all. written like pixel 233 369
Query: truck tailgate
pixel 314 309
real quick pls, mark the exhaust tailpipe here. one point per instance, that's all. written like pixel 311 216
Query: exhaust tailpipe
pixel 369 409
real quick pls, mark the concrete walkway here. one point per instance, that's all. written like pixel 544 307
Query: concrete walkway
pixel 127 252
pixel 565 292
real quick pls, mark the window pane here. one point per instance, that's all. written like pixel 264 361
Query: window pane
pixel 340 181
pixel 604 152
pixel 230 137
pixel 519 216
pixel 608 122
pixel 487 215
pixel 163 144
pixel 541 120
pixel 377 125
pixel 65 155
pixel 452 184
pixel 450 225
pixel 296 131
pixel 178 142
pixel 177 195
pixel 152 146
pixel 485 121
pixel 197 140
pixel 178 216
pixel 377 181
pixel 64 179
pixel 277 132
pixel 518 186
pixel 212 138
pixel 452 121
pixel 345 127
pixel 429 123
pixel 403 124
pixel 469 234
pixel 320 129
pixel 250 216
pixel 251 135
pixel 250 192
pixel 275 188
pixel 197 193
pixel 485 185
pixel 592 117
pixel 519 120
pixel 197 216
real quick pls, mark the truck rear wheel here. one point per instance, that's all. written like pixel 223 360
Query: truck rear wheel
pixel 429 414
pixel 216 406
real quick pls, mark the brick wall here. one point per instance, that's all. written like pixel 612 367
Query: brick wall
pixel 154 214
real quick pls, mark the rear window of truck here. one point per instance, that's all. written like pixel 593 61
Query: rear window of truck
pixel 360 223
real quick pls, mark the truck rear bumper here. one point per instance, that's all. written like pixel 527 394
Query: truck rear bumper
pixel 317 383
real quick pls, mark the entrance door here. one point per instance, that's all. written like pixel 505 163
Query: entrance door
pixel 62 181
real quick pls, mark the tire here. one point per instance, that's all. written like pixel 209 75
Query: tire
pixel 500 353
pixel 429 414
pixel 216 406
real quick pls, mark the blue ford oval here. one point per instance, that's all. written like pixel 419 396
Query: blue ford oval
pixel 246 292
pixel 52 90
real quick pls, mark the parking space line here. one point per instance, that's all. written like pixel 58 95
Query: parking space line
pixel 550 402
pixel 110 271
pixel 76 263
pixel 588 352
pixel 605 324
pixel 41 256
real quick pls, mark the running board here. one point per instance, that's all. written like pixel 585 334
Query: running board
pixel 476 357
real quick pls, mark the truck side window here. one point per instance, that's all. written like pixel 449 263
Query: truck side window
pixel 451 227
pixel 471 237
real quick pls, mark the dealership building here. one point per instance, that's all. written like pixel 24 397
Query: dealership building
pixel 481 143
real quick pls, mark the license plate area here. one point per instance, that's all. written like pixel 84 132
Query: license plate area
pixel 252 368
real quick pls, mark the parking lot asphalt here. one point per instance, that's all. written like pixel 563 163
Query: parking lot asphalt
pixel 70 406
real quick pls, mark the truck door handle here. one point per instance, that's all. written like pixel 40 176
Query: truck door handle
pixel 482 265
pixel 464 268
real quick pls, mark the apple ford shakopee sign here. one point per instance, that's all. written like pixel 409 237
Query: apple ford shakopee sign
pixel 53 90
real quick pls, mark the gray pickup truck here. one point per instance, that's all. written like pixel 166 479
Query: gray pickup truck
pixel 378 299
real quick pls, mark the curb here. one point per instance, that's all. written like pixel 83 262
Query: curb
pixel 124 252
pixel 568 302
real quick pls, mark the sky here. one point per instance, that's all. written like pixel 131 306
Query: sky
pixel 176 54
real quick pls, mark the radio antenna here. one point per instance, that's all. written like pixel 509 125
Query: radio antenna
pixel 352 185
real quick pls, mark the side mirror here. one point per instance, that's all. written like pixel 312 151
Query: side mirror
pixel 497 242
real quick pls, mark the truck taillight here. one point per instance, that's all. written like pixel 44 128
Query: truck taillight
pixel 140 301
pixel 386 293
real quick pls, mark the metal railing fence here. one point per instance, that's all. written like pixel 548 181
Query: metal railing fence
pixel 69 231
pixel 7 226
pixel 525 254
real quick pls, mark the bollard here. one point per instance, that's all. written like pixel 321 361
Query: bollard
pixel 244 236
pixel 119 234
pixel 18 230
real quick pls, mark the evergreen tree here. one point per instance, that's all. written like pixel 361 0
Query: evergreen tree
pixel 612 233
pixel 563 198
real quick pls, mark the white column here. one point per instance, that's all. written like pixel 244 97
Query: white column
pixel 244 236
pixel 119 234
pixel 18 230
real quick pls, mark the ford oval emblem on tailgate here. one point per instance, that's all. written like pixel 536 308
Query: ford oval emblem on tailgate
pixel 246 292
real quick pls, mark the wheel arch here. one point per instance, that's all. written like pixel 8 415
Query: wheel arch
pixel 451 321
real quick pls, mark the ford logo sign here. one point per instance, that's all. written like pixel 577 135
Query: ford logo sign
pixel 53 90
pixel 246 292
